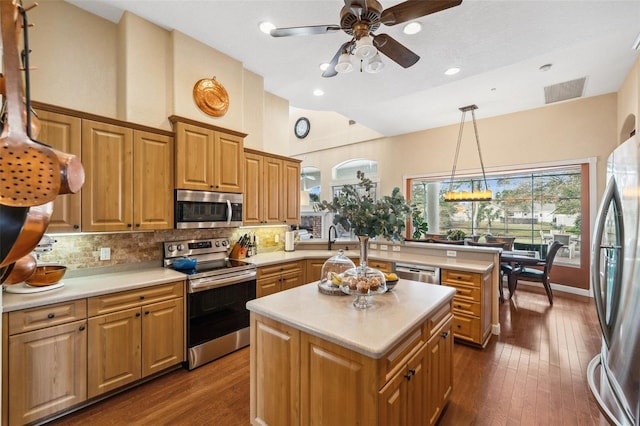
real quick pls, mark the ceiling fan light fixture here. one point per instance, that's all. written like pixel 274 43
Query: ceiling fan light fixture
pixel 344 64
pixel 412 28
pixel 375 65
pixel 365 48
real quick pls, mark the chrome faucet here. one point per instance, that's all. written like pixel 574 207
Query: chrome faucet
pixel 335 233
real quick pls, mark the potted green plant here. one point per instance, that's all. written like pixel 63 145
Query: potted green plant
pixel 456 234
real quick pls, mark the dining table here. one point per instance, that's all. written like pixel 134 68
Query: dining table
pixel 517 259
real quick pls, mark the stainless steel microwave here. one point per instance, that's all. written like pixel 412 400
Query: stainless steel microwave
pixel 204 209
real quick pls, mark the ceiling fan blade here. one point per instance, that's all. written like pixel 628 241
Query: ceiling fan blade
pixel 413 9
pixel 395 51
pixel 331 70
pixel 301 31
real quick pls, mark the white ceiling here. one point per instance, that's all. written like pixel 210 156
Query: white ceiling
pixel 499 46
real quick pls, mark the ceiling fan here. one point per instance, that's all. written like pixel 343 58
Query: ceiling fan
pixel 360 19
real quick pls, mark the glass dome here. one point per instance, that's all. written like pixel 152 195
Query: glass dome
pixel 334 268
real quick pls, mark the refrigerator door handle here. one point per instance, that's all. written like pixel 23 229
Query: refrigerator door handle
pixel 610 200
pixel 591 380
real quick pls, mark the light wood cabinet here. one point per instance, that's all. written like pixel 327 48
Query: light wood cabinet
pixel 282 276
pixel 471 305
pixel 272 189
pixel 47 361
pixel 299 378
pixel 63 132
pixel 313 269
pixel 208 159
pixel 129 178
pixel 134 334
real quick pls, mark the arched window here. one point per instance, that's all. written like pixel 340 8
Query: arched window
pixel 347 169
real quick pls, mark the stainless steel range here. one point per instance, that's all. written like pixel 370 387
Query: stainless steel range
pixel 218 289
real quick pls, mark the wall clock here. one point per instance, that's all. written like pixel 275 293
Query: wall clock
pixel 302 127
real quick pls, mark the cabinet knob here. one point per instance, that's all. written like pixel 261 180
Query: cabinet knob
pixel 146 312
pixel 76 226
pixel 141 297
pixel 129 225
pixel 408 376
pixel 137 225
pixel 445 334
pixel 459 326
pixel 137 314
pixel 50 316
pixel 81 328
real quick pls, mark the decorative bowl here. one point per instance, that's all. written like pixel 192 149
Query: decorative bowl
pixel 391 284
pixel 46 275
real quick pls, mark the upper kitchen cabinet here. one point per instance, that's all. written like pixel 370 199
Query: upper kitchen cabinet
pixel 129 178
pixel 208 158
pixel 62 132
pixel 272 189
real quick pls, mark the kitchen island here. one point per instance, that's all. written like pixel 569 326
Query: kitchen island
pixel 315 359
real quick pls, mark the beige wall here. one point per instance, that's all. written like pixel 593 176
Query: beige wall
pixel 142 73
pixel 629 103
pixel 565 131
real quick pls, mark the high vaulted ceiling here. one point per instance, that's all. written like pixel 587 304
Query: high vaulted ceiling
pixel 498 45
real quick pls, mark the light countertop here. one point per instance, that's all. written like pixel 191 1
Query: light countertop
pixel 480 266
pixel 92 285
pixel 371 332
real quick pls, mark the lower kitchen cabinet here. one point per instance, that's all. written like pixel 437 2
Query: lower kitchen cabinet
pixel 471 305
pixel 47 363
pixel 299 378
pixel 282 276
pixel 127 343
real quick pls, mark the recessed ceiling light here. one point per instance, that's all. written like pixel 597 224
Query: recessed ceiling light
pixel 324 66
pixel 266 27
pixel 452 71
pixel 318 92
pixel 412 28
pixel 545 67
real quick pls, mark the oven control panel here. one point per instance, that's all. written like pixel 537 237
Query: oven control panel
pixel 194 247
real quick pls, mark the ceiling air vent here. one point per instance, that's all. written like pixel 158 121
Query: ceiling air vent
pixel 563 91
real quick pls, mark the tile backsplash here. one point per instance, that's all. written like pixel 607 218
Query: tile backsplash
pixel 80 251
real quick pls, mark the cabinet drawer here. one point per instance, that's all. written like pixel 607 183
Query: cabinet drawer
pixel 460 277
pixel 464 292
pixel 46 316
pixel 398 356
pixel 130 299
pixel 466 307
pixel 381 265
pixel 280 268
pixel 438 319
pixel 466 327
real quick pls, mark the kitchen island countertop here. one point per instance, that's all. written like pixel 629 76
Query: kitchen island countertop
pixel 371 332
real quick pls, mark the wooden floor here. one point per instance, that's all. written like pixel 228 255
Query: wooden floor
pixel 533 374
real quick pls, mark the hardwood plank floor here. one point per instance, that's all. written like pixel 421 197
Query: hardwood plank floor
pixel 534 373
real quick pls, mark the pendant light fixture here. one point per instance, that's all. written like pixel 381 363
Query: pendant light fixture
pixel 474 194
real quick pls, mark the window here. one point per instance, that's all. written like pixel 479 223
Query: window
pixel 531 205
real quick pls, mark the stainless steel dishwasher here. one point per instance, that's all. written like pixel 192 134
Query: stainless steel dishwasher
pixel 425 274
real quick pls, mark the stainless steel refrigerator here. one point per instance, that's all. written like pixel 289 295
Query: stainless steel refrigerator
pixel 614 374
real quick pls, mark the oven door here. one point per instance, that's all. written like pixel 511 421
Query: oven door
pixel 202 209
pixel 217 321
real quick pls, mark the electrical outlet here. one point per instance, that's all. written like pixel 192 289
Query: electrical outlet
pixel 373 246
pixel 452 253
pixel 384 247
pixel 277 238
pixel 105 253
pixel 396 248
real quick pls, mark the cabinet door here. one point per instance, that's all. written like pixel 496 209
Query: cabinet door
pixel 314 269
pixel 272 176
pixel 440 381
pixel 291 192
pixel 292 279
pixel 267 286
pixel 417 382
pixel 114 351
pixel 228 170
pixel 194 157
pixel 62 132
pixel 153 181
pixel 107 197
pixel 162 336
pixel 392 405
pixel 48 371
pixel 253 204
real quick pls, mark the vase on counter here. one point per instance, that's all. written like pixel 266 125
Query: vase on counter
pixel 363 281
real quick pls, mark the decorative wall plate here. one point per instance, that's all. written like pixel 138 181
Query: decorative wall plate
pixel 211 97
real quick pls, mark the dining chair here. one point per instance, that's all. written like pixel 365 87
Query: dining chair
pixel 539 275
pixel 508 240
pixel 505 268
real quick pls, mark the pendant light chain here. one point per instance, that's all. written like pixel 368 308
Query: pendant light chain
pixel 475 128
